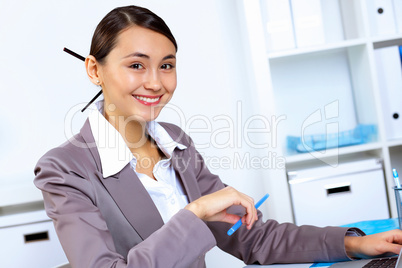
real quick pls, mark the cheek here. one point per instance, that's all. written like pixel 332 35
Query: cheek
pixel 119 80
pixel 170 84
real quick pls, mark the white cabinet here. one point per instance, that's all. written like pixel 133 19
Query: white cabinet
pixel 328 88
pixel 351 192
pixel 29 240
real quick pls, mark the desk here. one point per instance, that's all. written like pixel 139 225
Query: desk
pixel 298 265
pixel 369 227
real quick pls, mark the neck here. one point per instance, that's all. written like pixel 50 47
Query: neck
pixel 132 131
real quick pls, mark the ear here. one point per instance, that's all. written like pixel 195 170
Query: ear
pixel 93 70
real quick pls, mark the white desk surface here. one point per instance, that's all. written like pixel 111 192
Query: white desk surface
pixel 299 265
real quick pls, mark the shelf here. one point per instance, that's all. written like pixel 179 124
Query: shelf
pixel 394 143
pixel 333 85
pixel 388 43
pixel 315 49
pixel 333 152
pixel 386 38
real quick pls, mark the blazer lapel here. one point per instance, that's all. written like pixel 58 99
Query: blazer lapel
pixel 127 191
pixel 134 201
pixel 181 166
pixel 89 142
pixel 131 196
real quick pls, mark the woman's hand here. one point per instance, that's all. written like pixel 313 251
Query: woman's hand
pixel 374 245
pixel 213 207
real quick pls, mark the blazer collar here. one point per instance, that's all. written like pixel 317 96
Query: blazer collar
pixel 133 200
pixel 181 160
pixel 129 193
pixel 112 148
pixel 86 134
pixel 186 174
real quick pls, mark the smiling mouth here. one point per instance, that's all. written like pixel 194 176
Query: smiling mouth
pixel 147 100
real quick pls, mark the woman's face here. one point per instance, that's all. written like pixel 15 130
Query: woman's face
pixel 139 75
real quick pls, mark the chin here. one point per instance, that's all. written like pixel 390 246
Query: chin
pixel 142 117
pixel 151 116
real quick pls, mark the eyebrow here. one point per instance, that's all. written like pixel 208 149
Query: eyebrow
pixel 141 55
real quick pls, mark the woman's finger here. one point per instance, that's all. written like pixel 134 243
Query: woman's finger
pixel 213 207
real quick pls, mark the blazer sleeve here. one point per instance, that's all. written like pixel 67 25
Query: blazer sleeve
pixel 70 201
pixel 270 242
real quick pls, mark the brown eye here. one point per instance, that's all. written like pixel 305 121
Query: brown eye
pixel 167 66
pixel 136 66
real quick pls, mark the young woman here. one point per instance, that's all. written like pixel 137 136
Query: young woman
pixel 130 192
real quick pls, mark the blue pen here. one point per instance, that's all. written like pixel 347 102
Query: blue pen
pixel 396 178
pixel 239 223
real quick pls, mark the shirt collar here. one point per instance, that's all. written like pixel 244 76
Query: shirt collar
pixel 113 151
pixel 163 139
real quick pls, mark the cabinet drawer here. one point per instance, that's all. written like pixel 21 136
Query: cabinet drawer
pixel 340 199
pixel 30 245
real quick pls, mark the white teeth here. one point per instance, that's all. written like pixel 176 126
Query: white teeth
pixel 147 99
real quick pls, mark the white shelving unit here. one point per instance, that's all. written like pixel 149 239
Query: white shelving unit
pixel 301 81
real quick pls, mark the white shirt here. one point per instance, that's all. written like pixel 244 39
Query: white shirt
pixel 166 192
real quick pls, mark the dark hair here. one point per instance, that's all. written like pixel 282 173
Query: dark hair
pixel 108 29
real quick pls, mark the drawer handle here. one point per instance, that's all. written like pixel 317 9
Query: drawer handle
pixel 35 237
pixel 340 188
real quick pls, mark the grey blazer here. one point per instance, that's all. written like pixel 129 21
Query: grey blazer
pixel 113 222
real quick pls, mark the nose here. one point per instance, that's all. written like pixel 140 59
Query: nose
pixel 153 80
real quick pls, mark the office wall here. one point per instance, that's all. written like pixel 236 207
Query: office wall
pixel 43 88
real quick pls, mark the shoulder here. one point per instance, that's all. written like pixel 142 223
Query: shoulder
pixel 73 155
pixel 67 171
pixel 77 152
